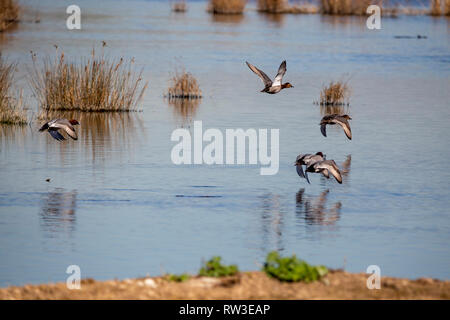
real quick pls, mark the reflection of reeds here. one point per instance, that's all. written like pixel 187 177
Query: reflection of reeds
pixel 185 108
pixel 179 6
pixel 9 14
pixel 283 6
pixel 11 110
pixel 99 132
pixel 336 93
pixel 184 86
pixel 94 84
pixel 227 6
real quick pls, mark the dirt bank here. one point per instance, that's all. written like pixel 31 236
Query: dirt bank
pixel 248 285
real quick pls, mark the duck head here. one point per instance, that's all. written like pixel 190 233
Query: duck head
pixel 74 122
pixel 287 85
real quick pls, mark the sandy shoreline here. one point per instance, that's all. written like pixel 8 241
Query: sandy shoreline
pixel 247 285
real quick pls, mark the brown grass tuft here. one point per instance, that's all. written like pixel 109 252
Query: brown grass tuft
pixel 346 7
pixel 227 6
pixel 179 6
pixel 283 6
pixel 11 110
pixel 435 7
pixel 95 84
pixel 184 86
pixel 336 93
pixel 9 14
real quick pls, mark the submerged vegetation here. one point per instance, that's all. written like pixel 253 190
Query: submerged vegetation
pixel 94 84
pixel 11 110
pixel 336 93
pixel 184 86
pixel 9 14
pixel 292 269
pixel 226 6
pixel 214 268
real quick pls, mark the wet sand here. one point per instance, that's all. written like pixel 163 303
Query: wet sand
pixel 248 285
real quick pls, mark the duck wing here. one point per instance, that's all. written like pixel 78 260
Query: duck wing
pixel 55 134
pixel 300 171
pixel 323 129
pixel 280 74
pixel 346 126
pixel 67 127
pixel 332 168
pixel 266 80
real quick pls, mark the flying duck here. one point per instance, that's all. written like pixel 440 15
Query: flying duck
pixel 270 86
pixel 55 125
pixel 325 167
pixel 333 119
pixel 307 159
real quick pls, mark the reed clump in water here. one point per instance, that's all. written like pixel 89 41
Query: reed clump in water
pixel 179 6
pixel 227 6
pixel 95 84
pixel 283 6
pixel 9 14
pixel 184 86
pixel 11 110
pixel 336 93
pixel 435 7
pixel 345 7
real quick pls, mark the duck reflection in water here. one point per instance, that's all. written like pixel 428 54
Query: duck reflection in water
pixel 313 209
pixel 272 221
pixel 58 212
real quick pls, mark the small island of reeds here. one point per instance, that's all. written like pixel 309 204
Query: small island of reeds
pixel 336 93
pixel 9 14
pixel 226 6
pixel 11 110
pixel 184 86
pixel 94 84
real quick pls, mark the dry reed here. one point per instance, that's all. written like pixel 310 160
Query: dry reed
pixel 436 7
pixel 179 6
pixel 283 6
pixel 184 86
pixel 11 109
pixel 226 6
pixel 346 7
pixel 9 14
pixel 336 93
pixel 95 84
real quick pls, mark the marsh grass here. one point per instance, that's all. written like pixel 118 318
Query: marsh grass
pixel 96 84
pixel 346 7
pixel 9 14
pixel 184 86
pixel 179 6
pixel 336 93
pixel 435 7
pixel 215 268
pixel 283 6
pixel 226 6
pixel 11 107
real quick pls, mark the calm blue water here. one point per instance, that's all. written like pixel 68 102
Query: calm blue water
pixel 117 206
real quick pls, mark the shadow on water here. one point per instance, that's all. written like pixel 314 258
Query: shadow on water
pixel 273 19
pixel 57 215
pixel 184 110
pixel 98 134
pixel 313 210
pixel 272 221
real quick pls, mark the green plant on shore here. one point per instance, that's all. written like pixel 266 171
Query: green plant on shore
pixel 292 269
pixel 214 268
pixel 177 277
pixel 11 109
pixel 9 14
pixel 95 84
